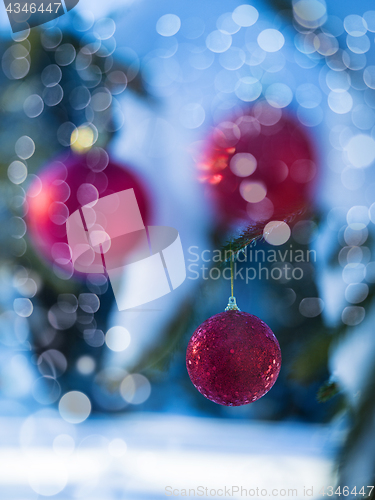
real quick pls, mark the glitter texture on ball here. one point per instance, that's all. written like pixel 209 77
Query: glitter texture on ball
pixel 233 358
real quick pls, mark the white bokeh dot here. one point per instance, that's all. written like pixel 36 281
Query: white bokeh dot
pixel 168 25
pixel 356 292
pixel 279 95
pixel 245 15
pixel 340 102
pixel 252 191
pixel 25 147
pixel 310 307
pixel 243 164
pixel 17 172
pixel 74 407
pixel 33 106
pixel 361 150
pixel 310 13
pixel 86 365
pixel 117 338
pixel 135 389
pixel 271 40
pixel 358 217
pixel 353 315
pixel 248 89
pixel 276 233
pixel 23 307
pixel 218 42
pixel 355 25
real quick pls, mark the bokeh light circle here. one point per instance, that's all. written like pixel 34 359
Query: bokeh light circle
pixel 276 233
pixel 74 407
pixel 135 389
pixel 118 338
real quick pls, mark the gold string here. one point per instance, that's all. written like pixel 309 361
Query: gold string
pixel 232 306
pixel 231 269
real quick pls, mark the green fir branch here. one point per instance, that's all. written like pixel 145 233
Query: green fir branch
pixel 252 234
pixel 327 391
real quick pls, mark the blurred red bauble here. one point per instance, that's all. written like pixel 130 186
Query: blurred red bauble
pixel 233 358
pixel 66 184
pixel 259 165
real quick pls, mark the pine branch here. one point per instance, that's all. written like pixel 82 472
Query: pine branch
pixel 361 430
pixel 327 391
pixel 248 237
pixel 252 234
pixel 158 358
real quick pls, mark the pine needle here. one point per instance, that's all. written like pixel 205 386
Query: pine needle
pixel 252 234
pixel 327 391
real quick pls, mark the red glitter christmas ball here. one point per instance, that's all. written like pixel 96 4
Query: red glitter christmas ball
pixel 259 166
pixel 62 187
pixel 233 358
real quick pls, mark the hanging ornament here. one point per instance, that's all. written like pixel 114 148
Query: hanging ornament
pixel 233 358
pixel 259 165
pixel 65 185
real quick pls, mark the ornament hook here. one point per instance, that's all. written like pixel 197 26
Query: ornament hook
pixel 232 305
